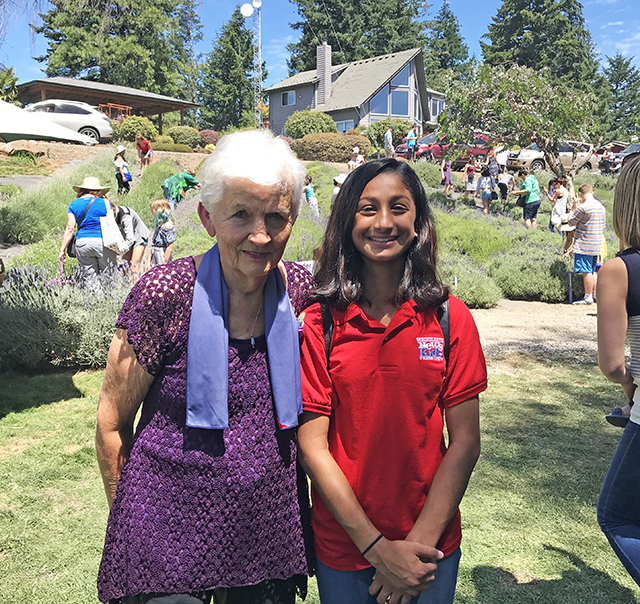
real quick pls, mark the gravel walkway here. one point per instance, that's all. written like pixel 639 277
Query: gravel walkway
pixel 557 332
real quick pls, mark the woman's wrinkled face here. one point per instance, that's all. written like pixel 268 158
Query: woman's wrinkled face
pixel 252 224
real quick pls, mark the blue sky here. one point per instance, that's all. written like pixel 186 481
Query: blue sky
pixel 614 25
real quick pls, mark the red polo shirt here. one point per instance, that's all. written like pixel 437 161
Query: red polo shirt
pixel 386 396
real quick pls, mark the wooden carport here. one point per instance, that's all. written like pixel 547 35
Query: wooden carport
pixel 141 102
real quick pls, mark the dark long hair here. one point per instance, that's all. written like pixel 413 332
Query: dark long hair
pixel 340 273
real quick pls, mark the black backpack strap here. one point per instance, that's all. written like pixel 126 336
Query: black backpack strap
pixel 443 319
pixel 85 213
pixel 327 327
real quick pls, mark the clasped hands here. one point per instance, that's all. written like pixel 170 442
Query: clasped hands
pixel 403 570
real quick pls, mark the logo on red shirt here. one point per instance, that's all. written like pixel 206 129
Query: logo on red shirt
pixel 431 349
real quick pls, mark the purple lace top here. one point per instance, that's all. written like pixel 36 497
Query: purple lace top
pixel 199 509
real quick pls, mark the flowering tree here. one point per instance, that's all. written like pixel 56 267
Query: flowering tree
pixel 518 105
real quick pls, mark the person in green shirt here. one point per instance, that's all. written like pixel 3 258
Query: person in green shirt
pixel 530 188
pixel 177 185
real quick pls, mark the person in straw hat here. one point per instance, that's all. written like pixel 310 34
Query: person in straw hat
pixel 85 212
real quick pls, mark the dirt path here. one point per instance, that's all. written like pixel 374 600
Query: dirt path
pixel 557 332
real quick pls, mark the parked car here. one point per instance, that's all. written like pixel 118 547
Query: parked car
pixel 478 147
pixel 612 166
pixel 531 158
pixel 81 117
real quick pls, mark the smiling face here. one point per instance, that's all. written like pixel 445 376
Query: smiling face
pixel 384 224
pixel 252 224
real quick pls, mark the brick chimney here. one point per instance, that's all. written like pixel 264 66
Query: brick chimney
pixel 323 69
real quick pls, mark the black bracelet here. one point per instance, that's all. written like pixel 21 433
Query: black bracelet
pixel 380 536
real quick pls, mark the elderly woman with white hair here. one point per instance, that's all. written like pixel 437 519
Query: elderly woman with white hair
pixel 207 500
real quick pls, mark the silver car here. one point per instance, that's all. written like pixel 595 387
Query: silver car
pixel 531 158
pixel 81 117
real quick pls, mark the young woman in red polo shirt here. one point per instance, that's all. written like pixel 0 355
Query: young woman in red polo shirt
pixel 385 487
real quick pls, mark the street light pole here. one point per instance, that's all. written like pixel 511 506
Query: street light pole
pixel 247 11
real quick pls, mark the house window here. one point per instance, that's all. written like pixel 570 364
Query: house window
pixel 437 107
pixel 402 79
pixel 400 102
pixel 289 98
pixel 380 102
pixel 344 126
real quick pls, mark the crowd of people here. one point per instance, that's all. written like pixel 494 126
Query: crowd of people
pixel 138 248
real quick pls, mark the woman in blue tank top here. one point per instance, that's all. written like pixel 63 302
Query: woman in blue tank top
pixel 619 319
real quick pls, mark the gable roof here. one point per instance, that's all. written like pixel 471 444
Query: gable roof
pixel 362 79
pixel 357 81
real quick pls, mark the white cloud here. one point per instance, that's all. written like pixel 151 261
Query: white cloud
pixel 612 24
pixel 629 46
pixel 275 53
pixel 600 2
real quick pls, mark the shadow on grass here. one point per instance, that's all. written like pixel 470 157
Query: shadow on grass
pixel 557 444
pixel 580 584
pixel 21 392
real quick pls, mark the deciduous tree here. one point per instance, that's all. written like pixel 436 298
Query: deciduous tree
pixel 519 106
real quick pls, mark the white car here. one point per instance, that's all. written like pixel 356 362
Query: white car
pixel 81 117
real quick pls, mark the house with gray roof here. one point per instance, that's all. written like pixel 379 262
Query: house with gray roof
pixel 360 92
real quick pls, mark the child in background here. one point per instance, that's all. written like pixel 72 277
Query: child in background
pixel 145 152
pixel 310 196
pixel 164 232
pixel 123 176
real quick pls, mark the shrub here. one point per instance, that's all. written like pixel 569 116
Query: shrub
pixel 172 147
pixel 185 135
pixel 209 148
pixel 531 270
pixel 162 139
pixel 288 139
pixel 209 137
pixel 428 173
pixel 468 280
pixel 375 132
pixel 58 324
pixel 127 129
pixel 477 238
pixel 301 123
pixel 332 147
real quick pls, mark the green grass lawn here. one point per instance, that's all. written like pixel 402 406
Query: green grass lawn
pixel 529 523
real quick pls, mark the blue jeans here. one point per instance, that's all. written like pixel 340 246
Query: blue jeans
pixel 352 587
pixel 619 503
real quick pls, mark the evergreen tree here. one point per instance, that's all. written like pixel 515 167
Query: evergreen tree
pixel 623 82
pixel 124 43
pixel 356 29
pixel 543 33
pixel 187 33
pixel 226 90
pixel 445 49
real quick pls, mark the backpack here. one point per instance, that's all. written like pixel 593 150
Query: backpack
pixel 443 320
pixel 122 210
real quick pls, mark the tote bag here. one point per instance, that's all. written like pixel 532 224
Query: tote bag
pixel 111 235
